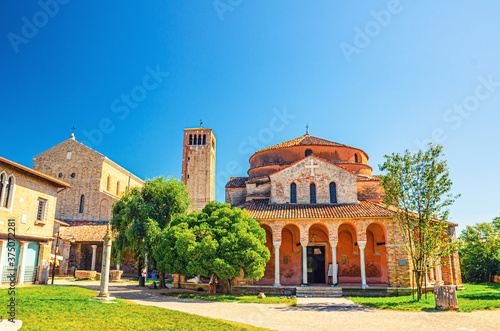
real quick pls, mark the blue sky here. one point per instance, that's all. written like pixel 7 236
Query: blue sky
pixel 382 76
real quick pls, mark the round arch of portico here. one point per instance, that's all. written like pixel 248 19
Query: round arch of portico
pixel 318 225
pixel 267 228
pixel 355 225
pixel 363 227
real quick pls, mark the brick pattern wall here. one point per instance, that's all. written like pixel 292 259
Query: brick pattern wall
pixel 235 195
pixel 324 174
pixel 198 167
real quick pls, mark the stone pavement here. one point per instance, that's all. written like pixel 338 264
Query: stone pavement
pixel 329 316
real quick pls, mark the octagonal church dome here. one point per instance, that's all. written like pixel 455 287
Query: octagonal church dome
pixel 271 159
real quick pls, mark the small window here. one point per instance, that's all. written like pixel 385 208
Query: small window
pixel 204 139
pixel 194 140
pixel 60 175
pixel 8 192
pixel 313 193
pixel 293 193
pixel 40 211
pixel 356 158
pixel 73 175
pixel 333 192
pixel 308 152
pixel 285 259
pixel 82 204
pixel 108 184
pixel 68 155
pixel 190 139
pixel 199 139
pixel 2 178
pixel 117 187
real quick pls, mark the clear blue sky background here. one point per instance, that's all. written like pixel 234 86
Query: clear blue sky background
pixel 233 68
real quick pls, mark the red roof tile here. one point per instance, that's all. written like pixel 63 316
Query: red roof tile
pixel 236 182
pixel 303 141
pixel 82 231
pixel 261 209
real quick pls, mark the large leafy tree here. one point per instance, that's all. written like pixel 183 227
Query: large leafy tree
pixel 418 192
pixel 480 251
pixel 219 240
pixel 143 211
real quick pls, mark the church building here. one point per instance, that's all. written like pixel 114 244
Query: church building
pixel 320 206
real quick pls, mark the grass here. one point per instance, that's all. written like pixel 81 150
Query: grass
pixel 71 308
pixel 235 298
pixel 474 297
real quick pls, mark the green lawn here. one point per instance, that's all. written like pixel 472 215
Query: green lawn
pixel 71 308
pixel 474 297
pixel 234 298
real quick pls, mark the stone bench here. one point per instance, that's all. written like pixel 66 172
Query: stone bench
pixel 85 274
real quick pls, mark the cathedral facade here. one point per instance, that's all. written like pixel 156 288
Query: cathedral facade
pixel 320 206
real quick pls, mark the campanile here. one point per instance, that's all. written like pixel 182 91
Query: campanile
pixel 198 165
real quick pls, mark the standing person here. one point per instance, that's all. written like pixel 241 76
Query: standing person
pixel 211 284
pixel 216 283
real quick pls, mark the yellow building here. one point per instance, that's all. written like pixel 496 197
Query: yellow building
pixel 27 211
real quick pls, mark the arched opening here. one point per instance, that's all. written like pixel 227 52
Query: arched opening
pixel 376 255
pixel 9 192
pixel 199 139
pixel 108 184
pixel 290 257
pixel 268 278
pixel 82 204
pixel 349 270
pixel 190 139
pixel 356 158
pixel 312 193
pixel 293 193
pixel 318 256
pixel 194 140
pixel 333 192
pixel 117 187
pixel 308 152
pixel 2 179
pixel 204 139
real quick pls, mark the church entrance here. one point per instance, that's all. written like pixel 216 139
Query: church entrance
pixel 316 264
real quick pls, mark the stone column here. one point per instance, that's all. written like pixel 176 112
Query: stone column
pixel 94 249
pixel 361 245
pixel 3 249
pixel 431 273
pixel 106 261
pixel 22 263
pixel 334 263
pixel 304 263
pixel 277 245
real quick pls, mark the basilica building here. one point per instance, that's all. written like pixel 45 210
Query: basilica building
pixel 320 206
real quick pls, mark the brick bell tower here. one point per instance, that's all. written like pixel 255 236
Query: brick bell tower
pixel 198 165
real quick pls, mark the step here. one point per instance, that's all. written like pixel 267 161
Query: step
pixel 319 292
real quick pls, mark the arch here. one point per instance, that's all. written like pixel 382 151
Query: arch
pixel 290 257
pixel 293 193
pixel 348 258
pixel 190 139
pixel 333 192
pixel 199 139
pixel 82 204
pixel 320 231
pixel 308 152
pixel 9 192
pixel 117 187
pixel 268 278
pixel 356 158
pixel 204 139
pixel 108 183
pixel 2 183
pixel 376 254
pixel 312 193
pixel 194 140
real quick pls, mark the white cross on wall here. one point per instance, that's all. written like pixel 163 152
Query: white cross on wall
pixel 312 166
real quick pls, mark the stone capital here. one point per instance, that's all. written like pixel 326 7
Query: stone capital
pixel 362 244
pixel 304 245
pixel 334 244
pixel 276 244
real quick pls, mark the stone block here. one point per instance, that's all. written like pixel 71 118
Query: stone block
pixel 85 274
pixel 446 297
pixel 115 274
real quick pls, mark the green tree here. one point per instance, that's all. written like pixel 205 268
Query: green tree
pixel 480 252
pixel 142 212
pixel 219 240
pixel 417 188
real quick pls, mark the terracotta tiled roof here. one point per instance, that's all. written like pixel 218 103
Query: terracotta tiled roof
pixel 262 209
pixel 81 231
pixel 303 141
pixel 237 182
pixel 54 181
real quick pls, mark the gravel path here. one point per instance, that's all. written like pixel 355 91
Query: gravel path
pixel 312 316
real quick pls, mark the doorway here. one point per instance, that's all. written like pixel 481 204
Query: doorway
pixel 316 264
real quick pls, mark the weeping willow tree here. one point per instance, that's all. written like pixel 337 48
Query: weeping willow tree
pixel 418 193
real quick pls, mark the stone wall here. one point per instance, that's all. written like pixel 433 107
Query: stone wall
pixel 235 195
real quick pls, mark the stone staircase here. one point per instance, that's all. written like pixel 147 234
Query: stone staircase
pixel 318 292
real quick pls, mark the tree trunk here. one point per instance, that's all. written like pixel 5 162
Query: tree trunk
pixel 229 290
pixel 446 297
pixel 162 280
pixel 418 276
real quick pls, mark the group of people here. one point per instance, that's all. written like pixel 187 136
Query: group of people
pixel 214 282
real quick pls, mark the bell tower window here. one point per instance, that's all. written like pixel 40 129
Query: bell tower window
pixel 333 192
pixel 293 193
pixel 312 194
pixel 308 152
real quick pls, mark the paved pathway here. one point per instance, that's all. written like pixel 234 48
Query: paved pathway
pixel 326 317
